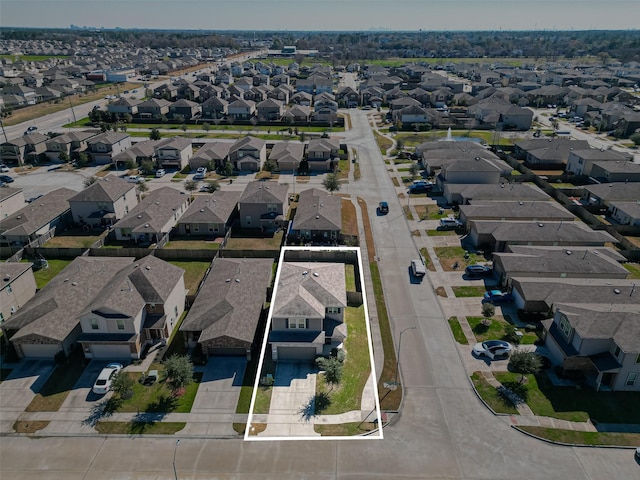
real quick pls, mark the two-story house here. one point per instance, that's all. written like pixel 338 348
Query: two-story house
pixel 17 287
pixel 11 200
pixel 601 341
pixel 173 153
pixel 104 202
pixel 307 316
pixel 287 155
pixel 323 154
pixel 241 109
pixel 318 218
pixel 263 205
pixel 210 215
pixel 248 153
pixel 24 149
pixel 141 305
pixel 103 147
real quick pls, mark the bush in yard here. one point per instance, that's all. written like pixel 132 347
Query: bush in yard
pixel 511 334
pixel 488 310
pixel 332 369
pixel 524 363
pixel 179 371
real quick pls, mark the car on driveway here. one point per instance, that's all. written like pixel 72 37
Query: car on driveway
pixel 6 179
pixel 383 208
pixel 497 296
pixel 103 382
pixel 200 173
pixel 492 349
pixel 478 271
pixel 160 173
pixel 421 187
pixel 4 168
pixel 449 224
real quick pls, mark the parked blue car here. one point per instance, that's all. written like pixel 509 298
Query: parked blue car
pixel 497 296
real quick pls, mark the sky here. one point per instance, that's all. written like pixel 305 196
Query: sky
pixel 325 14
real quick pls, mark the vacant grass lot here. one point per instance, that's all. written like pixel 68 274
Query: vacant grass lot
pixel 574 404
pixel 356 368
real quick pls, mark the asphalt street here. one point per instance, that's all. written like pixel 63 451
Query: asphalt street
pixel 444 431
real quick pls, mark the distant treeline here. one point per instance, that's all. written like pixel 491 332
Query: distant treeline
pixel 343 47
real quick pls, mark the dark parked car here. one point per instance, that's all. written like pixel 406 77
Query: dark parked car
pixel 497 296
pixel 421 187
pixel 478 271
pixel 6 179
pixel 383 207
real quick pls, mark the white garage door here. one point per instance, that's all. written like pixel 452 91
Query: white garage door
pixel 110 351
pixel 40 350
pixel 296 353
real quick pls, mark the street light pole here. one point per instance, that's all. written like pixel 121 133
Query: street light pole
pixel 175 473
pixel 395 381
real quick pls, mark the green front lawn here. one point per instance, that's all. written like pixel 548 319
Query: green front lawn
pixel 495 330
pixel 440 233
pixel 456 329
pixel 633 268
pixel 55 390
pixel 468 291
pixel 491 397
pixel 156 398
pixel 139 428
pixel 356 368
pixel 576 404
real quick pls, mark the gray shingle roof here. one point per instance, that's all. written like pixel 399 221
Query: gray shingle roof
pixel 264 192
pixel 317 210
pixel 569 232
pixel 155 210
pixel 213 208
pixel 106 189
pixel 230 300
pixel 616 191
pixel 529 210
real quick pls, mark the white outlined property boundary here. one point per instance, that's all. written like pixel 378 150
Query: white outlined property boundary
pixel 372 378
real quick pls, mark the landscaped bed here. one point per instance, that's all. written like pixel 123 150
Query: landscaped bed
pixel 491 396
pixel 450 256
pixel 494 329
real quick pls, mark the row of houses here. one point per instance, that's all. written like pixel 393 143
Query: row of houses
pixel 555 266
pixel 174 153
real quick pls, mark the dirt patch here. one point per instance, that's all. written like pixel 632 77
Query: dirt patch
pixel 368 235
pixel 349 218
pixel 441 292
pixel 29 427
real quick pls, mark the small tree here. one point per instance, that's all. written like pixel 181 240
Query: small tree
pixel 179 371
pixel 142 187
pixel 183 127
pixel 399 144
pixel 155 134
pixel 524 363
pixel 147 166
pixel 635 138
pixel 227 170
pixel 414 169
pixel 488 310
pixel 190 186
pixel 332 367
pixel 64 157
pixel 511 334
pixel 331 182
pixel 90 180
pixel 83 160
pixel 206 127
pixel 212 186
pixel 122 383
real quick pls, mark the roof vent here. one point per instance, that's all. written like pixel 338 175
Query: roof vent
pixel 75 284
pixel 568 252
pixel 202 209
pixel 139 215
pixel 317 217
pixel 146 225
pixel 616 291
pixel 19 217
pixel 157 203
pixel 316 274
pixel 541 224
pixel 7 278
pixel 520 202
pixel 147 267
pixel 227 280
pixel 66 280
pixel 305 273
pixel 136 265
pixel 237 280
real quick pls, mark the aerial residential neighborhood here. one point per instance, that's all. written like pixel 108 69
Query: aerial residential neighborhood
pixel 226 243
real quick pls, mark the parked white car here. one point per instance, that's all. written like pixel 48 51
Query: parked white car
pixel 492 349
pixel 103 382
pixel 135 179
pixel 160 173
pixel 200 173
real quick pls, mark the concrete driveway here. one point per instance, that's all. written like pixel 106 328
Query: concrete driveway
pixel 17 391
pixel 291 408
pixel 220 387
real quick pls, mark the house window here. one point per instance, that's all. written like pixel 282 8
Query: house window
pixel 196 227
pixel 120 323
pixel 175 310
pixel 272 207
pixel 247 220
pixel 297 323
pixel 333 310
pixel 565 326
pixel 94 324
pixel 616 352
pixel 631 379
pixel 638 358
pixel 9 290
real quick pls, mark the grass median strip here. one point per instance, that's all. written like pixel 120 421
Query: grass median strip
pixel 139 428
pixel 574 437
pixel 490 395
pixel 456 329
